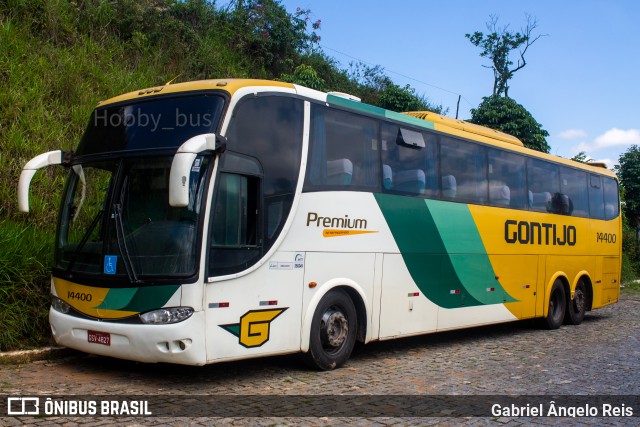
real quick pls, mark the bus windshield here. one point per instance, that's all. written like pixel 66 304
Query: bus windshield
pixel 116 220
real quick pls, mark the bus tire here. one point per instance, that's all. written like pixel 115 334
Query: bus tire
pixel 557 306
pixel 577 307
pixel 333 331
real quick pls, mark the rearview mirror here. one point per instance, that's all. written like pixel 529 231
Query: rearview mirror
pixel 183 162
pixel 29 170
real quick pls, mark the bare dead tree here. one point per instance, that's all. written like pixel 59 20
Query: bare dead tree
pixel 499 44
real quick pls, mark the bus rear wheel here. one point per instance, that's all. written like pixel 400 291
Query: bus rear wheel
pixel 577 307
pixel 557 306
pixel 333 331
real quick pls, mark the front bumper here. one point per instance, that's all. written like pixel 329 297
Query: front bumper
pixel 182 343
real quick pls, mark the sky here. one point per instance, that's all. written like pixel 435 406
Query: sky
pixel 581 81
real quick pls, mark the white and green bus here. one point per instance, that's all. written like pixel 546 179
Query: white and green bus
pixel 227 219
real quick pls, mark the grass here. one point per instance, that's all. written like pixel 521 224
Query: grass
pixel 25 259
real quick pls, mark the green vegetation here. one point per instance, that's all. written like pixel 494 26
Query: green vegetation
pixel 58 58
pixel 506 115
pixel 25 259
pixel 628 171
pixel 630 254
pixel 499 111
pixel 500 45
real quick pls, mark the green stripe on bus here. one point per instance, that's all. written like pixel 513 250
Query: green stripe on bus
pixel 467 253
pixel 423 250
pixel 138 299
pixel 117 298
pixel 442 250
pixel 377 111
pixel 355 105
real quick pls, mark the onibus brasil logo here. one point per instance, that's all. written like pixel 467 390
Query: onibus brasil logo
pixel 254 327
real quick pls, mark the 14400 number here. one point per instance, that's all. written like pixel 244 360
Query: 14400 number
pixel 605 238
pixel 79 296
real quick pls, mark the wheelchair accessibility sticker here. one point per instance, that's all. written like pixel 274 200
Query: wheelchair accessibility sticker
pixel 110 262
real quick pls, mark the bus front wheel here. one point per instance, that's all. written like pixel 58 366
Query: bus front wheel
pixel 333 331
pixel 577 307
pixel 557 306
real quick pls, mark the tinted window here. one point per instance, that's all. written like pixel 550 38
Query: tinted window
pixel 235 226
pixel 255 190
pixel 542 178
pixel 464 171
pixel 611 201
pixel 157 123
pixel 343 152
pixel 269 129
pixel 596 197
pixel 409 161
pixel 573 184
pixel 235 220
pixel 507 179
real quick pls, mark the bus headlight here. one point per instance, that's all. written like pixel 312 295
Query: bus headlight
pixel 166 315
pixel 58 305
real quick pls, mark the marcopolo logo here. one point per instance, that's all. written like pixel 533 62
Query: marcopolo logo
pixel 338 226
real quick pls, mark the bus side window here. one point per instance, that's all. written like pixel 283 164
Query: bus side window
pixel 343 151
pixel 235 242
pixel 467 163
pixel 267 131
pixel 611 200
pixel 596 197
pixel 507 181
pixel 573 185
pixel 409 161
pixel 542 178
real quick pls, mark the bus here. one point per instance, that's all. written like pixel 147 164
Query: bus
pixel 219 220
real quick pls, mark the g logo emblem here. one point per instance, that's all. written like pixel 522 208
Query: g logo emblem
pixel 254 327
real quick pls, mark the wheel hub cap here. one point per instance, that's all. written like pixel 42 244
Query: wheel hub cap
pixel 334 329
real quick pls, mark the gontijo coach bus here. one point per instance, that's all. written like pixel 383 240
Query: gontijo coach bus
pixel 227 219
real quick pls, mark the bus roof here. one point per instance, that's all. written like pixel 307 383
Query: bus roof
pixel 426 119
pixel 228 85
pixel 465 126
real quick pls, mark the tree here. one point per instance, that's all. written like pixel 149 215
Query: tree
pixel 498 46
pixel 269 35
pixel 376 88
pixel 506 115
pixel 396 98
pixel 581 157
pixel 628 171
pixel 305 75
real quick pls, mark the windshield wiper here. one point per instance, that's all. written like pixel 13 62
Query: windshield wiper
pixel 122 241
pixel 84 240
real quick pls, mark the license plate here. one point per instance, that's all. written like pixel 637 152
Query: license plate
pixel 96 337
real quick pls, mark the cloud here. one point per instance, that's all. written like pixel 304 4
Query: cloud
pixel 572 134
pixel 613 138
pixel 616 137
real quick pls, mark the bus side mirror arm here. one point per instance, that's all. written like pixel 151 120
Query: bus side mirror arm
pixel 50 158
pixel 183 162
